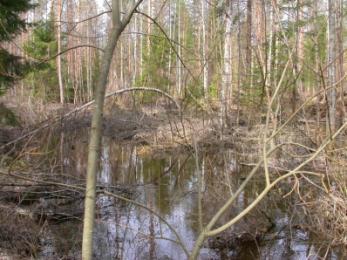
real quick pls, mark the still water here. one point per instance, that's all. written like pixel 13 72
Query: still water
pixel 168 184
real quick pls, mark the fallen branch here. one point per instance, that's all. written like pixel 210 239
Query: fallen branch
pixel 72 187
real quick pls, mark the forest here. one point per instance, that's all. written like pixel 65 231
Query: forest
pixel 173 129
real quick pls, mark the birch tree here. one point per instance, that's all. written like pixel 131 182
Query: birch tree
pixel 58 59
pixel 117 28
pixel 226 88
pixel 331 95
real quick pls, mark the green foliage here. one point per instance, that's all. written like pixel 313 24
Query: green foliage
pixel 193 91
pixel 44 78
pixel 155 61
pixel 315 41
pixel 11 69
pixel 43 41
pixel 11 24
pixel 213 88
pixel 156 58
pixel 7 117
pixel 155 64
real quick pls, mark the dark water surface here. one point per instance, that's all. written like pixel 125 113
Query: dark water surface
pixel 168 184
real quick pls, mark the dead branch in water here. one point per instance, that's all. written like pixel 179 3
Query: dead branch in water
pixel 101 190
pixel 209 229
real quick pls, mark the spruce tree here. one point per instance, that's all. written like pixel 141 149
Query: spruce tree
pixel 12 67
pixel 42 77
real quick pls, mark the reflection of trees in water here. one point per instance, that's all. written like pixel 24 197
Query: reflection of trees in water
pixel 105 237
pixel 151 230
pixel 168 185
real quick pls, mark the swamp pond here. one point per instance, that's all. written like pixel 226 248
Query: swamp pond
pixel 167 183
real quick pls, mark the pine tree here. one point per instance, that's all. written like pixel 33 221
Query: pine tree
pixel 12 67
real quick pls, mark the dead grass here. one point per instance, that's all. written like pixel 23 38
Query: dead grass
pixel 19 234
pixel 328 217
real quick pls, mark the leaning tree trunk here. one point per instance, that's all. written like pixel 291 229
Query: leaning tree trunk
pixel 95 136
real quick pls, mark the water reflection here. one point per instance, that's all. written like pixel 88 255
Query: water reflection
pixel 106 232
pixel 168 184
pixel 132 233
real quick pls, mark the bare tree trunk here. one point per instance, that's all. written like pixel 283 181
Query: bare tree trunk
pixel 275 44
pixel 258 43
pixel 96 128
pixel 58 59
pixel 340 60
pixel 135 51
pixel 317 65
pixel 204 52
pixel 141 47
pixel 297 65
pixel 149 12
pixel 258 23
pixel 227 65
pixel 170 51
pixel 299 45
pixel 248 69
pixel 331 122
pixel 70 56
pixel 239 72
pixel 269 55
pixel 121 64
pixel 179 50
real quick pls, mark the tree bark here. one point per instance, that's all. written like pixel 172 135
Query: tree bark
pixel 299 44
pixel 149 31
pixel 179 50
pixel 226 88
pixel 331 95
pixel 248 68
pixel 341 72
pixel 58 59
pixel 204 52
pixel 95 136
pixel 258 23
pixel 299 52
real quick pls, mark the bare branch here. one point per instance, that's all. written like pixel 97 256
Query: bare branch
pixel 48 123
pixel 82 189
pixel 69 49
